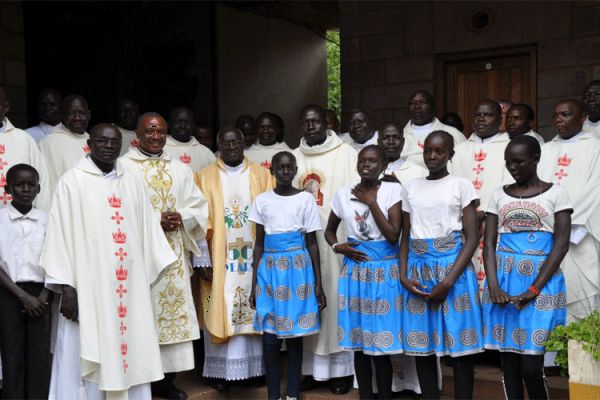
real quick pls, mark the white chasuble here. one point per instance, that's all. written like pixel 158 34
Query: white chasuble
pixel 408 171
pixel 575 165
pixel 169 186
pixel 62 149
pixel 240 244
pixel 592 127
pixel 129 139
pixel 260 154
pixel 17 147
pixel 413 145
pixel 192 153
pixel 482 164
pixel 103 240
pixel 322 170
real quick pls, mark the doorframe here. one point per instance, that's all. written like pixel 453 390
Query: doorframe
pixel 441 69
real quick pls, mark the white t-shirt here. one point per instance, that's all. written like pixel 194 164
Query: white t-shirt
pixel 279 214
pixel 356 216
pixel 436 206
pixel 534 213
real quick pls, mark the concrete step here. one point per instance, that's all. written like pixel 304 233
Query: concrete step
pixel 488 386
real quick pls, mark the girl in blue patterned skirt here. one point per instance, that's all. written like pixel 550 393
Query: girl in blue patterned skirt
pixel 286 286
pixel 525 296
pixel 442 312
pixel 369 291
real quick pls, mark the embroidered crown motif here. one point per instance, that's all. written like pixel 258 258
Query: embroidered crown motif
pixel 421 145
pixel 123 348
pixel 122 310
pixel 2 149
pixel 480 155
pixel 125 365
pixel 119 237
pixel 114 201
pixel 134 143
pixel 86 149
pixel 564 161
pixel 2 180
pixel 121 273
pixel 477 183
pixel 185 158
pixel 266 164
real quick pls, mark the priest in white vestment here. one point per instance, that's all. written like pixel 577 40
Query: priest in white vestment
pixel 67 142
pixel 182 145
pixel 480 159
pixel 127 116
pixel 391 138
pixel 233 349
pixel 104 248
pixel 519 118
pixel 591 101
pixel 421 111
pixel 17 147
pixel 49 108
pixel 572 159
pixel 325 164
pixel 267 127
pixel 170 189
pixel 361 132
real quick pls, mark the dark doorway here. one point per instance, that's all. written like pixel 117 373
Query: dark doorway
pixel 464 79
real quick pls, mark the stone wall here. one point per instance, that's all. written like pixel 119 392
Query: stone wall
pixel 389 49
pixel 12 60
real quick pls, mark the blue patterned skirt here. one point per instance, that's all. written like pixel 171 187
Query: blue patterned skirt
pixel 519 258
pixel 454 326
pixel 286 303
pixel 370 300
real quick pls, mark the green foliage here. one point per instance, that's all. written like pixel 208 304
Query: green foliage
pixel 586 331
pixel 334 87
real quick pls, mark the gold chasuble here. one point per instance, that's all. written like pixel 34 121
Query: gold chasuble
pixel 169 186
pixel 224 301
pixel 322 170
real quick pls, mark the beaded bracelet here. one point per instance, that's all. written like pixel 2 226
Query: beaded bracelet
pixel 534 290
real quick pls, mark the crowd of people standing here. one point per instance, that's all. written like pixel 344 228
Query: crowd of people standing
pixel 370 253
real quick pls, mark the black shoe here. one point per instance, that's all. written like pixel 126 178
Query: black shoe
pixel 340 385
pixel 253 383
pixel 308 383
pixel 219 384
pixel 170 392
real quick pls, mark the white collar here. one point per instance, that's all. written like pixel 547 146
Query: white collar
pixel 497 137
pixel 13 213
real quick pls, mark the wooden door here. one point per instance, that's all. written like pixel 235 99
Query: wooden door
pixel 463 80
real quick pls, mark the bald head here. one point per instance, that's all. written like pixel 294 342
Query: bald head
pixel 147 116
pixel 97 130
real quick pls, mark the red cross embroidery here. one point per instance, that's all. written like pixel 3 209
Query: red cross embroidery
pixel 121 254
pixel 478 169
pixel 2 164
pixel 121 291
pixel 123 328
pixel 560 174
pixel 2 149
pixel 125 365
pixel 117 218
pixel 86 149
pixel 421 145
pixel 5 197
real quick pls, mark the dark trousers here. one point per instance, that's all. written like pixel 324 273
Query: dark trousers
pixel 25 347
pixel 272 357
pixel 519 368
pixel 364 375
pixel 428 377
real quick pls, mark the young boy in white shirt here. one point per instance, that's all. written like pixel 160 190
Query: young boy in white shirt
pixel 24 301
